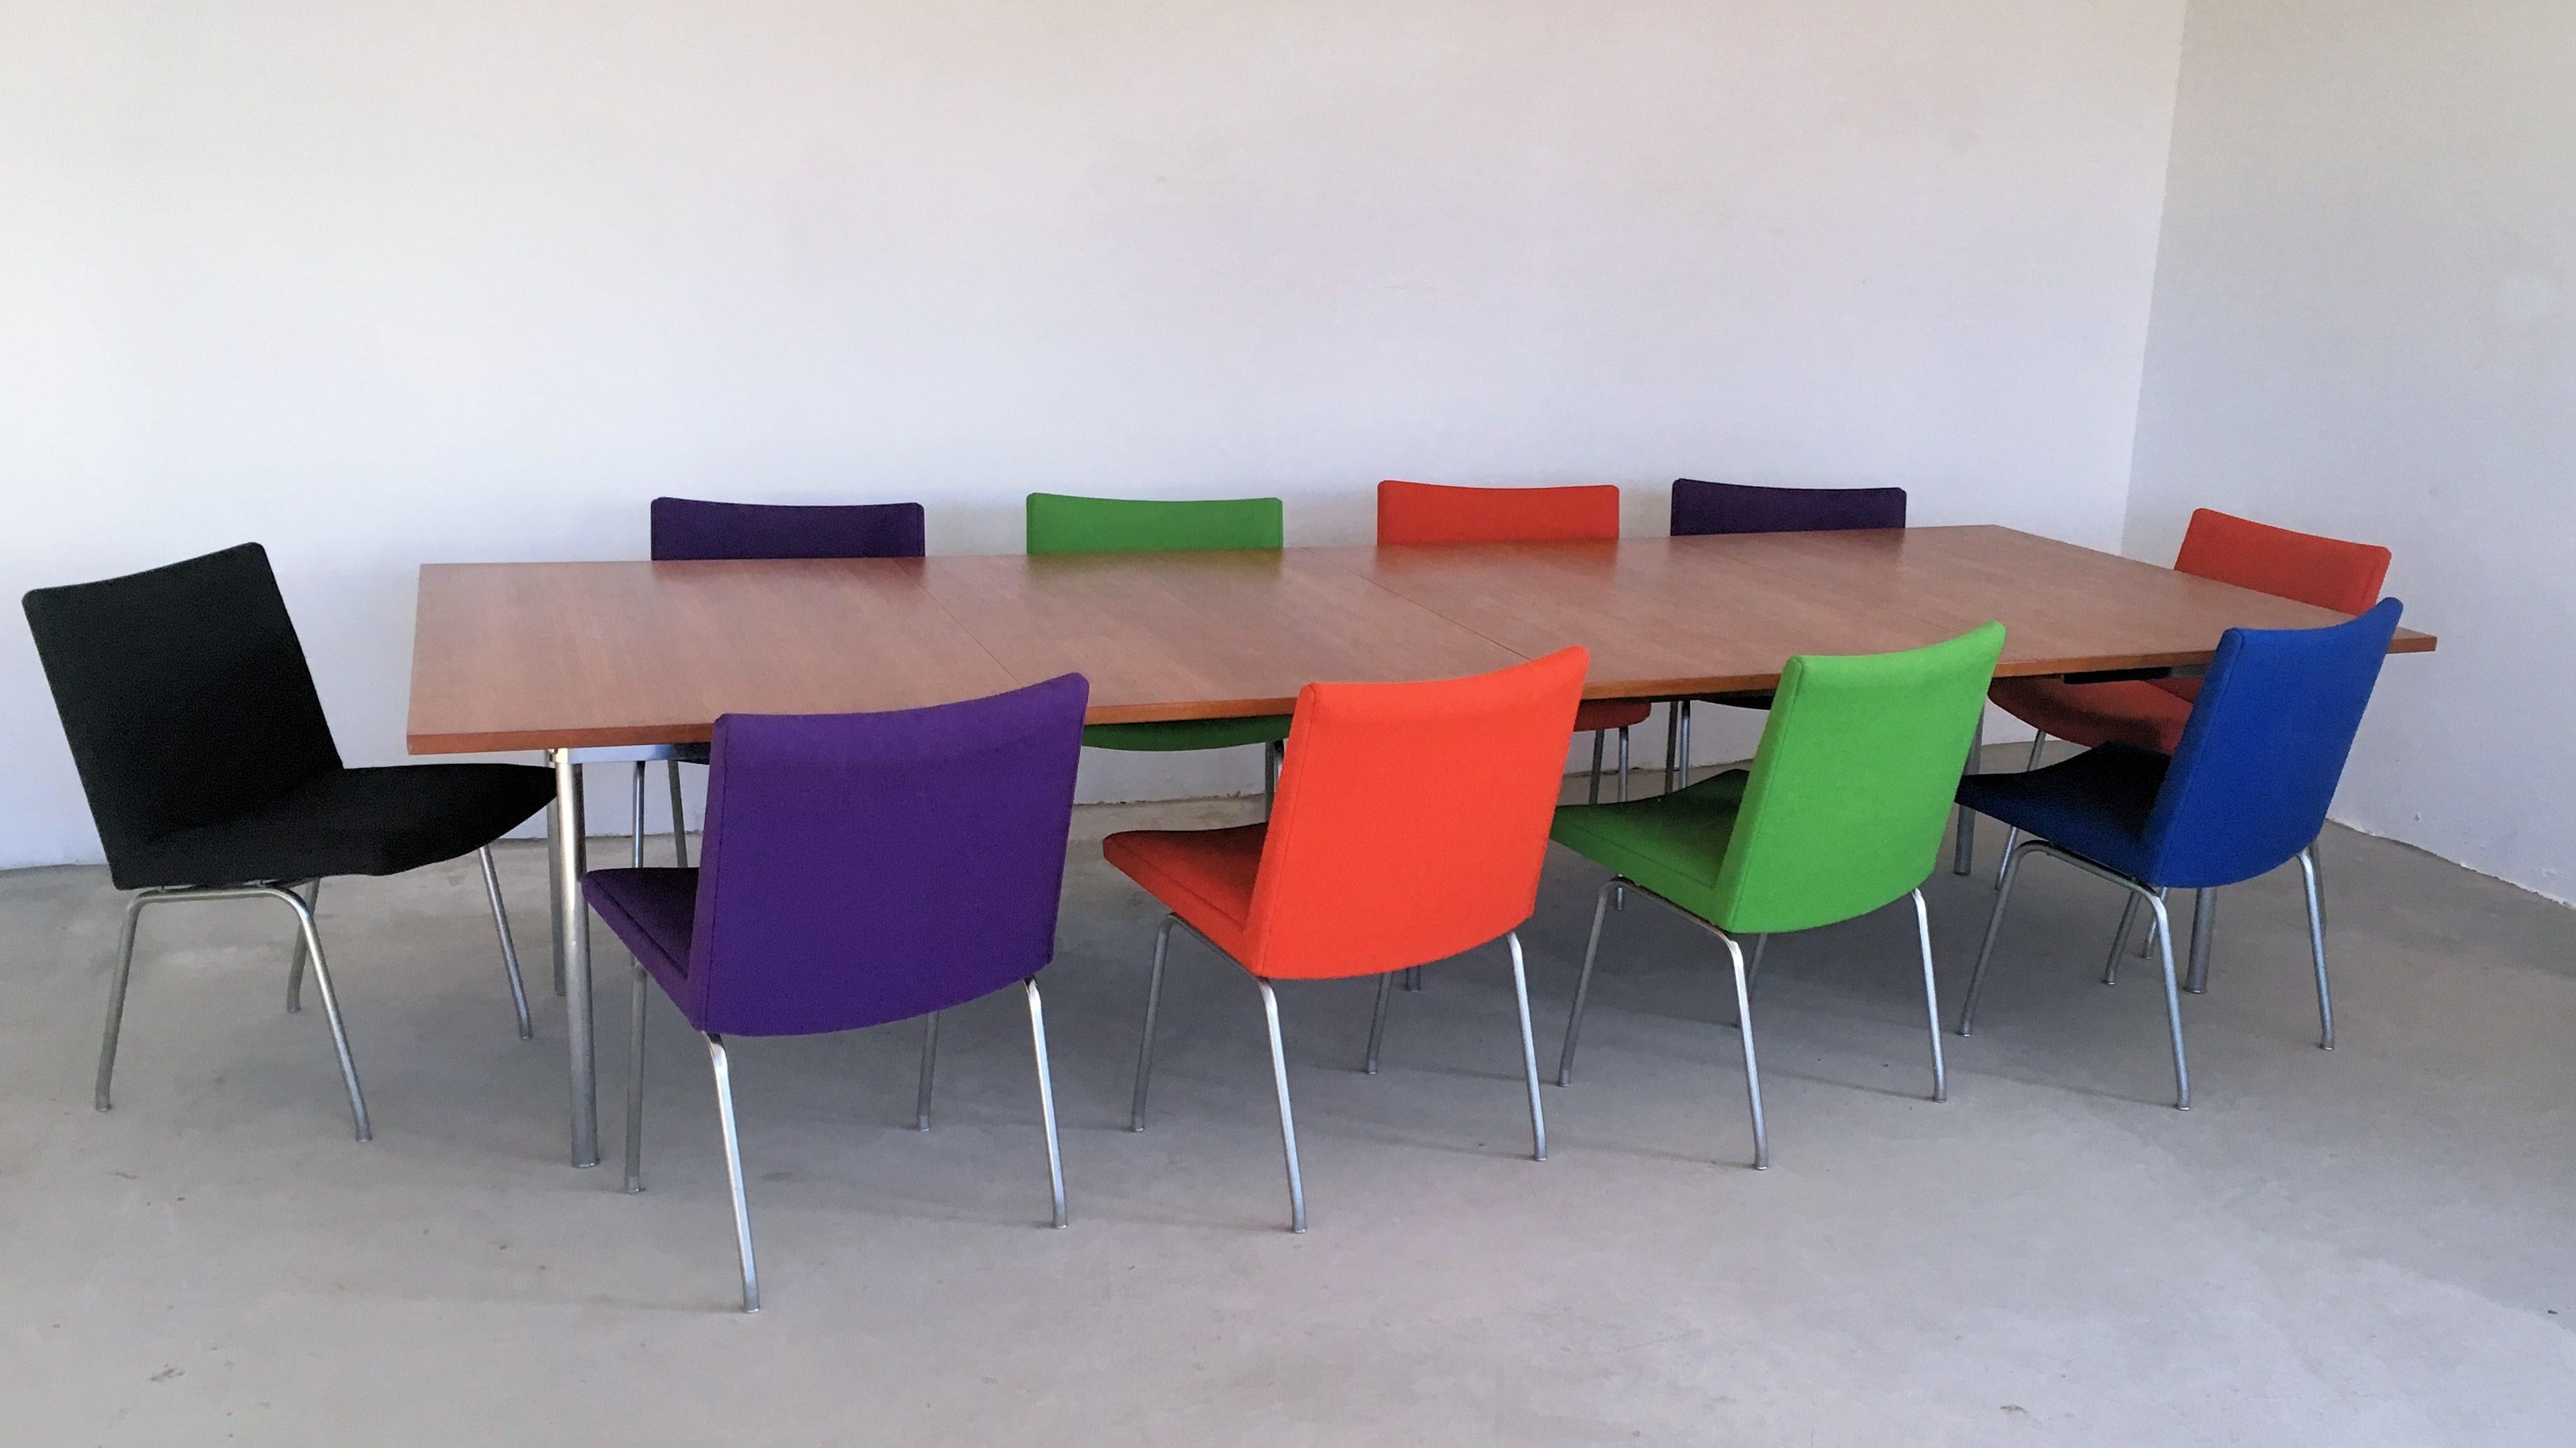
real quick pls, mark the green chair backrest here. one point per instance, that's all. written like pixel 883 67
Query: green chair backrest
pixel 1853 782
pixel 1062 524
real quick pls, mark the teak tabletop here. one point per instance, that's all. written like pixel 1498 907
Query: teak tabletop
pixel 590 655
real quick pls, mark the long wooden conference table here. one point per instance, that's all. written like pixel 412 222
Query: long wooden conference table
pixel 595 662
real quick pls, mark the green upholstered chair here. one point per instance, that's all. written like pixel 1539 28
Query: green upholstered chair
pixel 1062 524
pixel 1840 815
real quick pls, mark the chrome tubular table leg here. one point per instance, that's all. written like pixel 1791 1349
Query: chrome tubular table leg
pixel 1529 1049
pixel 1583 983
pixel 1963 856
pixel 1377 1019
pixel 635 1081
pixel 295 967
pixel 929 1063
pixel 1153 1003
pixel 572 932
pixel 1931 998
pixel 636 857
pixel 1046 1098
pixel 1600 740
pixel 1623 764
pixel 2317 945
pixel 1752 1069
pixel 116 994
pixel 679 819
pixel 2204 933
pixel 509 947
pixel 1287 1116
pixel 733 1172
pixel 1672 741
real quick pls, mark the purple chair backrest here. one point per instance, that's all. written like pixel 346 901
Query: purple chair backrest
pixel 1701 508
pixel 685 528
pixel 863 868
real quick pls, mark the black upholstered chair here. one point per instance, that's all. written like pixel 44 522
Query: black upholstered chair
pixel 211 773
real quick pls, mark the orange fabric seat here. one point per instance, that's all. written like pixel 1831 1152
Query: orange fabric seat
pixel 2328 572
pixel 1203 876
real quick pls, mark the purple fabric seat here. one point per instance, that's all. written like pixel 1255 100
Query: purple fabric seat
pixel 686 528
pixel 1703 508
pixel 859 869
pixel 689 529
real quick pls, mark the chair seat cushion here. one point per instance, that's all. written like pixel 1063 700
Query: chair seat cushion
pixel 2124 711
pixel 653 910
pixel 2095 804
pixel 1595 714
pixel 1179 734
pixel 1203 876
pixel 1671 843
pixel 350 822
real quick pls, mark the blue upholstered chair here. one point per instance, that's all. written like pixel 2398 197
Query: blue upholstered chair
pixel 2243 793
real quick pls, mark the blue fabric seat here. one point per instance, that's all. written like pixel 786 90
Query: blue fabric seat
pixel 2245 792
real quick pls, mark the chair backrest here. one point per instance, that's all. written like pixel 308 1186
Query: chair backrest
pixel 862 868
pixel 687 528
pixel 2327 572
pixel 2258 763
pixel 1059 523
pixel 184 693
pixel 1702 508
pixel 1411 819
pixel 1853 782
pixel 1438 513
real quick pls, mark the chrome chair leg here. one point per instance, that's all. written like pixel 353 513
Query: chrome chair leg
pixel 1600 740
pixel 2038 739
pixel 636 857
pixel 1377 1019
pixel 1529 1048
pixel 295 967
pixel 1153 1002
pixel 1931 998
pixel 733 1171
pixel 679 818
pixel 330 1007
pixel 2317 945
pixel 116 994
pixel 2204 933
pixel 1686 744
pixel 1413 978
pixel 509 947
pixel 1623 764
pixel 1672 741
pixel 2173 1009
pixel 1583 983
pixel 1994 925
pixel 1752 1069
pixel 929 1062
pixel 1963 852
pixel 2120 941
pixel 1287 1116
pixel 1046 1098
pixel 640 988
pixel 1752 969
pixel 1274 756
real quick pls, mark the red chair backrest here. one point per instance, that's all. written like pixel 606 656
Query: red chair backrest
pixel 1411 819
pixel 2327 572
pixel 1438 513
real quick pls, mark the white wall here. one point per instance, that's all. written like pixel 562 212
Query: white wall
pixel 2365 325
pixel 380 284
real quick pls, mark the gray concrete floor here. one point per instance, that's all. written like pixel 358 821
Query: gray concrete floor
pixel 2365 1247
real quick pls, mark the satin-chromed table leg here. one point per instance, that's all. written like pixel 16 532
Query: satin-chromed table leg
pixel 572 952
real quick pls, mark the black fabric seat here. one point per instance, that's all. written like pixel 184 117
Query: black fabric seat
pixel 211 772
pixel 350 822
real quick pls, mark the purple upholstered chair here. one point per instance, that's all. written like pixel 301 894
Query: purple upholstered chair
pixel 1700 509
pixel 858 869
pixel 691 529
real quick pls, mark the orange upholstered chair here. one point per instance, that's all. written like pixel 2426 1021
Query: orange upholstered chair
pixel 1410 513
pixel 2327 572
pixel 1410 825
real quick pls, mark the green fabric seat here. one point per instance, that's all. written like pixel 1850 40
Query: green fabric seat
pixel 1840 814
pixel 1060 523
